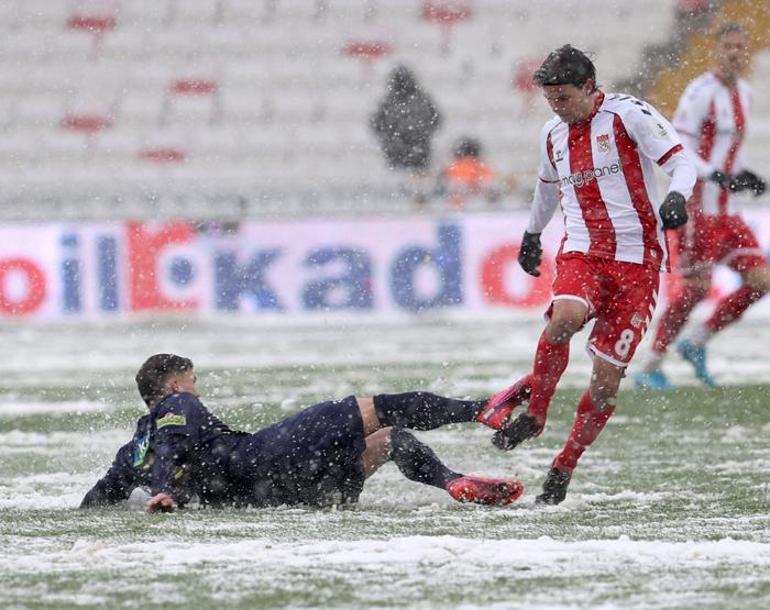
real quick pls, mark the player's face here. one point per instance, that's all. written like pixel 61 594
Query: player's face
pixel 185 382
pixel 732 54
pixel 570 103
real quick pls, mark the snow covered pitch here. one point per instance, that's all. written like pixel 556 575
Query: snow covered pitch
pixel 669 509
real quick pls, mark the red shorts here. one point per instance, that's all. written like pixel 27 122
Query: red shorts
pixel 707 240
pixel 621 296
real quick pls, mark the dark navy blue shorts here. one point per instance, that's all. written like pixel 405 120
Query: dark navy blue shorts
pixel 312 457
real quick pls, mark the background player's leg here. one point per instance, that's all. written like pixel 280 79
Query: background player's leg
pixel 694 289
pixel 676 315
pixel 756 283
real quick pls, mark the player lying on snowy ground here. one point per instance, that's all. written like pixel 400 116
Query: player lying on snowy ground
pixel 319 457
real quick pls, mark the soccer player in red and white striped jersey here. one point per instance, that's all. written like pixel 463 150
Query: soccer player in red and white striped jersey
pixel 597 161
pixel 712 121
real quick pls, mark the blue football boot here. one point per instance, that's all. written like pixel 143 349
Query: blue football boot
pixel 654 380
pixel 696 355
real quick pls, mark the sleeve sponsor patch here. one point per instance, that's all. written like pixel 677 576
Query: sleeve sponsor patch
pixel 169 419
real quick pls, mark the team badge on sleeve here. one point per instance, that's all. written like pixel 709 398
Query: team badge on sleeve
pixel 169 419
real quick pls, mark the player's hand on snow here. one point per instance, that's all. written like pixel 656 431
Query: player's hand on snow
pixel 673 211
pixel 749 181
pixel 160 502
pixel 530 253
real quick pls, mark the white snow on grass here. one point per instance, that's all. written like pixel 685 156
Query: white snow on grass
pixel 544 555
pixel 13 408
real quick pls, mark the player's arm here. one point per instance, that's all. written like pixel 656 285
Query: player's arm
pixel 544 203
pixel 657 140
pixel 177 428
pixel 114 486
pixel 688 120
pixel 745 179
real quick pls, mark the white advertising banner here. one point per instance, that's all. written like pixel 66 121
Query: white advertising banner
pixel 409 264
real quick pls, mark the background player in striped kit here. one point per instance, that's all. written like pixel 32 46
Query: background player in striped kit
pixel 712 121
pixel 596 161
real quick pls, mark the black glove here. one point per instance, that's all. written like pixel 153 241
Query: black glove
pixel 673 211
pixel 723 180
pixel 530 253
pixel 749 181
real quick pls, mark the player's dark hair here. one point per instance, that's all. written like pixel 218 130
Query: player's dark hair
pixel 731 27
pixel 565 66
pixel 154 374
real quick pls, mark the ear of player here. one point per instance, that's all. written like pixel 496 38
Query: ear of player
pixel 673 210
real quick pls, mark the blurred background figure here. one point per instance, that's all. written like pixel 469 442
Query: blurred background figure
pixel 405 122
pixel 468 176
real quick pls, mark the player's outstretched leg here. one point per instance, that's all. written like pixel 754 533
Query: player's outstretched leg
pixel 500 406
pixel 424 410
pixel 419 463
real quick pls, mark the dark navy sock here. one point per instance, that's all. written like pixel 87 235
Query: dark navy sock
pixel 423 410
pixel 416 460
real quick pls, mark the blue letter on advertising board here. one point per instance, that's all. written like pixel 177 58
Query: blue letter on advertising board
pixel 351 289
pixel 233 280
pixel 446 259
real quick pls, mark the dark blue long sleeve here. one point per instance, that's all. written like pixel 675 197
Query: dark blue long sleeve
pixel 117 484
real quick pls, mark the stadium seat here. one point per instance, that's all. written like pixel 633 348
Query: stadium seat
pixel 368 51
pixel 446 14
pixel 289 85
pixel 95 17
pixel 191 99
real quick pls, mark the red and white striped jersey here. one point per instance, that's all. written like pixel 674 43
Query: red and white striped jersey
pixel 711 119
pixel 601 171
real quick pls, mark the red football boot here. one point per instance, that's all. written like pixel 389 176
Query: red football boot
pixel 479 490
pixel 499 408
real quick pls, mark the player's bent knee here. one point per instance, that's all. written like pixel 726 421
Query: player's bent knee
pixel 368 414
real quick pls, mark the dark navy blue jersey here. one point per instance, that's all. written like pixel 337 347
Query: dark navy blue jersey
pixel 182 449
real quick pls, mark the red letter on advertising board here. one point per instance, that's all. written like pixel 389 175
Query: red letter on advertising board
pixel 35 280
pixel 493 280
pixel 144 249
